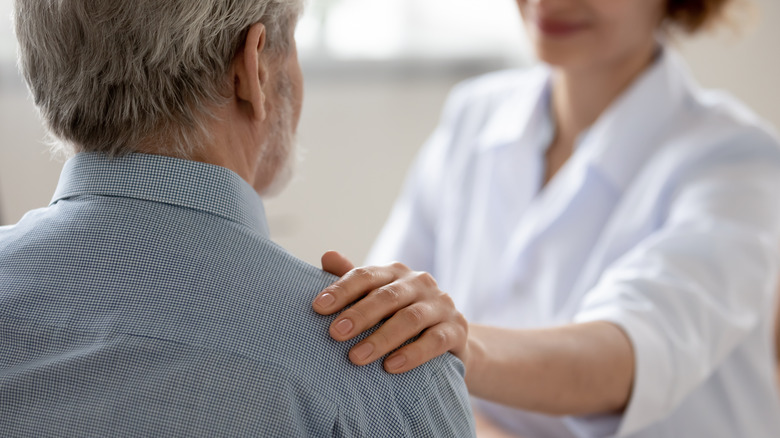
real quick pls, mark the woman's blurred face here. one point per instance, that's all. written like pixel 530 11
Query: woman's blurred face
pixel 574 34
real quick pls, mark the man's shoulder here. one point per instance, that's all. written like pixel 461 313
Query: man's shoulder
pixel 125 383
pixel 156 270
pixel 222 292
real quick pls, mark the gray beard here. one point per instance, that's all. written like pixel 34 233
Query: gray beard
pixel 280 151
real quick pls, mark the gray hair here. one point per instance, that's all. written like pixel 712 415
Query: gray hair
pixel 115 76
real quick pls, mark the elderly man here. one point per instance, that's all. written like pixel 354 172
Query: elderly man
pixel 147 299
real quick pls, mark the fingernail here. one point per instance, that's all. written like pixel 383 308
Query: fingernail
pixel 362 352
pixel 325 300
pixel 344 326
pixel 396 362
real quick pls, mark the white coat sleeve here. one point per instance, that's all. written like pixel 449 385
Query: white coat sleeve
pixel 688 294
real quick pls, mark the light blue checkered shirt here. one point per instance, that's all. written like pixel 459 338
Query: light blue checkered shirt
pixel 148 300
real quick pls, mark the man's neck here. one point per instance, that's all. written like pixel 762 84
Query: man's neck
pixel 236 143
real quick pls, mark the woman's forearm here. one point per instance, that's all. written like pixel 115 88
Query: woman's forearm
pixel 578 369
pixel 571 370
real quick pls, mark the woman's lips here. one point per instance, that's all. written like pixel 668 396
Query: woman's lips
pixel 559 28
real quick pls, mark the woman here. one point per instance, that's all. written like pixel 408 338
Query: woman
pixel 609 229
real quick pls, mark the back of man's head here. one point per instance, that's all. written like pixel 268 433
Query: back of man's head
pixel 110 76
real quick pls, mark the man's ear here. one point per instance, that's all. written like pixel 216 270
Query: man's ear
pixel 251 72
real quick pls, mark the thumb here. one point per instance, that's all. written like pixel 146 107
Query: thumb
pixel 336 263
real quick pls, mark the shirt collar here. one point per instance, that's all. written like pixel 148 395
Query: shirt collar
pixel 199 186
pixel 522 113
pixel 632 128
pixel 623 137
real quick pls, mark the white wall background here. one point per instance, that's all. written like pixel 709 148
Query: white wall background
pixel 362 129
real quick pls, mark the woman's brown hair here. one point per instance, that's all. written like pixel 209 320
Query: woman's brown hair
pixel 692 16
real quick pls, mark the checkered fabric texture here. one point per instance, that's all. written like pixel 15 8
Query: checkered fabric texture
pixel 147 301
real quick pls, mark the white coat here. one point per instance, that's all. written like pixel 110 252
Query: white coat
pixel 665 221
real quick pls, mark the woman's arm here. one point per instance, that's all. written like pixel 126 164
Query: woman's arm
pixel 572 370
pixel 576 369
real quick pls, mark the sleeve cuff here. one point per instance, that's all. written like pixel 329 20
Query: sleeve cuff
pixel 653 374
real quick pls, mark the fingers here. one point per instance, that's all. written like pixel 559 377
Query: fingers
pixel 354 285
pixel 410 302
pixel 336 263
pixel 434 342
pixel 384 301
pixel 406 324
pixel 376 306
pixel 443 329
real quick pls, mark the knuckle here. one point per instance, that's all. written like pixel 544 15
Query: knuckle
pixel 446 301
pixel 427 280
pixel 357 315
pixel 389 295
pixel 440 339
pixel 461 322
pixel 381 340
pixel 413 316
pixel 362 273
pixel 337 290
pixel 398 267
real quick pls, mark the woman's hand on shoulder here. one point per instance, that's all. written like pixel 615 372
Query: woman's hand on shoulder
pixel 410 301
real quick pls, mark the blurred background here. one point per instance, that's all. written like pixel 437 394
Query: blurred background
pixel 377 73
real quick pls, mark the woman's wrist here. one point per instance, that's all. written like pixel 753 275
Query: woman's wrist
pixel 473 358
